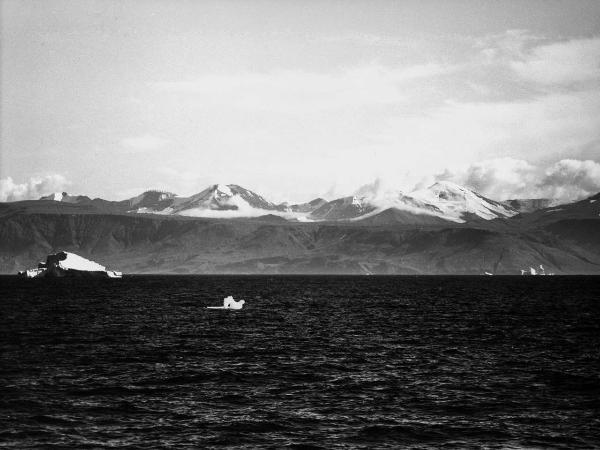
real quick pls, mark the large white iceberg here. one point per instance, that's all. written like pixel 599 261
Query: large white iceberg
pixel 66 264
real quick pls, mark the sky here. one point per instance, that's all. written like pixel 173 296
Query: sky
pixel 299 99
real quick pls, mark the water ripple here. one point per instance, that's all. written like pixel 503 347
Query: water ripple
pixel 311 362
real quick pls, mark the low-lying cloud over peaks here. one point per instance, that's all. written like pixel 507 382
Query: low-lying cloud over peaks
pixel 506 178
pixel 498 179
pixel 572 179
pixel 31 189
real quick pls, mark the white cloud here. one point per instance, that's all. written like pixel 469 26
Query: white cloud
pixel 32 189
pixel 243 210
pixel 143 143
pixel 345 127
pixel 504 178
pixel 507 46
pixel 421 107
pixel 561 63
pixel 298 91
pixel 458 133
pixel 571 179
pixel 499 178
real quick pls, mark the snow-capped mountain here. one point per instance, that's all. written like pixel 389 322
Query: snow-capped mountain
pixel 218 200
pixel 441 200
pixel 456 202
pixel 360 207
pixel 222 197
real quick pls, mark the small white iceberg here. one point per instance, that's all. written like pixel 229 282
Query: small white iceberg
pixel 229 303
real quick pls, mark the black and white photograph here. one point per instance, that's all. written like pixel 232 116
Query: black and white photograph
pixel 304 224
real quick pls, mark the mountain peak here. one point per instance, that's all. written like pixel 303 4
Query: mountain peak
pixel 447 184
pixel 223 197
pixel 317 201
pixel 448 190
pixel 151 198
pixel 457 202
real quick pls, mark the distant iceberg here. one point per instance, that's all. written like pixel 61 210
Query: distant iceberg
pixel 533 271
pixel 229 303
pixel 66 264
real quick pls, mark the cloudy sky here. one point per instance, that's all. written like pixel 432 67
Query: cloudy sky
pixel 295 99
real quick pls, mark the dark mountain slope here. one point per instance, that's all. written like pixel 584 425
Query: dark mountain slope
pixel 95 206
pixel 159 244
pixel 583 209
pixel 525 205
pixel 393 216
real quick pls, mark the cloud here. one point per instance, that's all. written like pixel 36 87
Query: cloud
pixel 32 189
pixel 379 119
pixel 301 91
pixel 243 210
pixel 507 178
pixel 229 213
pixel 461 132
pixel 143 143
pixel 561 63
pixel 518 64
pixel 571 179
pixel 499 178
pixel 382 191
pixel 509 45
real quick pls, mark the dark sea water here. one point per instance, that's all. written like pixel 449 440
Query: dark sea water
pixel 311 362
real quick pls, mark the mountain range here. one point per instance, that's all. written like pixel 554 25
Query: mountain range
pixel 442 229
pixel 442 200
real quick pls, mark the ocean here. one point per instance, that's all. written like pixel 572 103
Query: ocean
pixel 310 362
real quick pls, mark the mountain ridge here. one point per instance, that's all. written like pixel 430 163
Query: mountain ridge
pixel 442 199
pixel 564 238
pixel 565 241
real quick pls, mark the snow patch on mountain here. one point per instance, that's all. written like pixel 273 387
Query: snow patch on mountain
pixel 152 201
pixel 344 208
pixel 56 197
pixel 62 197
pixel 223 189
